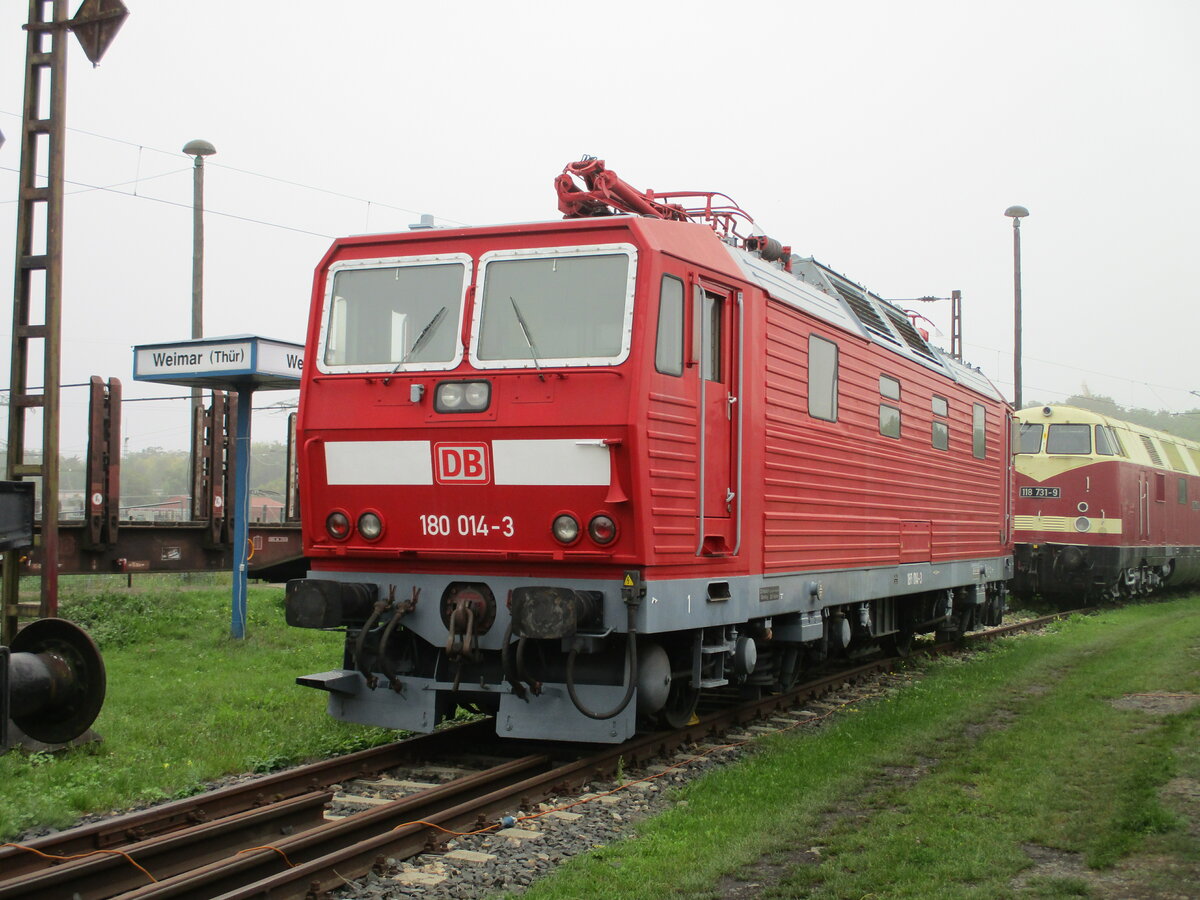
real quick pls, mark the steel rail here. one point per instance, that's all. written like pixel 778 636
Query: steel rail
pixel 1004 630
pixel 102 874
pixel 999 631
pixel 177 814
pixel 267 873
pixel 405 818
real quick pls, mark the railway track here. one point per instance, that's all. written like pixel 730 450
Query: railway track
pixel 309 830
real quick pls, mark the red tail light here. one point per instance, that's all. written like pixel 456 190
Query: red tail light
pixel 337 523
pixel 602 530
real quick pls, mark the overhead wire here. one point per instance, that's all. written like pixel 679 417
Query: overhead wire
pixel 210 163
pixel 188 206
pixel 87 189
pixel 310 187
pixel 1051 362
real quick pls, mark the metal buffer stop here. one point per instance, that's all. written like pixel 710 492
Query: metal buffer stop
pixel 52 681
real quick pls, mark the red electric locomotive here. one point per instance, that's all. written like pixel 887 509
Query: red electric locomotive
pixel 1106 509
pixel 575 472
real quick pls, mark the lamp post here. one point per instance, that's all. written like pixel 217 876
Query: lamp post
pixel 1016 213
pixel 198 150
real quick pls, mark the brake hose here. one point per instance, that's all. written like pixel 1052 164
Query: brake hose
pixel 633 671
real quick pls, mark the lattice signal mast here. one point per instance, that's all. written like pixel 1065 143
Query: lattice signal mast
pixel 37 291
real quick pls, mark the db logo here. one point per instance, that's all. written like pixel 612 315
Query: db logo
pixel 461 463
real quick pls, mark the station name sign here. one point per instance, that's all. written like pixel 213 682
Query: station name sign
pixel 215 362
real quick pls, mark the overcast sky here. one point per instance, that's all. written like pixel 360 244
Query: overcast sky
pixel 884 138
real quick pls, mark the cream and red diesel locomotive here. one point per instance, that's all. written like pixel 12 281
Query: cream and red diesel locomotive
pixel 1105 509
pixel 576 472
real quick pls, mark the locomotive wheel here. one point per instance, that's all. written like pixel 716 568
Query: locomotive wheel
pixel 899 643
pixel 1121 587
pixel 790 666
pixel 681 703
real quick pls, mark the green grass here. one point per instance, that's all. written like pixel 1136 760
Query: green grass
pixel 939 787
pixel 186 703
pixel 944 786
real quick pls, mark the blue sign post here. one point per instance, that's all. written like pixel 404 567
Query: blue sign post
pixel 240 364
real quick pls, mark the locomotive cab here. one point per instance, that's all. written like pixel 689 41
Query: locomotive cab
pixel 480 396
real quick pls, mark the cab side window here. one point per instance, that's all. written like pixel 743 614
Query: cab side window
pixel 979 431
pixel 889 414
pixel 822 378
pixel 711 336
pixel 668 352
pixel 939 435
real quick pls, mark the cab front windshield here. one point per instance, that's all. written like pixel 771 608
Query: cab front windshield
pixel 1030 438
pixel 553 309
pixel 535 308
pixel 395 315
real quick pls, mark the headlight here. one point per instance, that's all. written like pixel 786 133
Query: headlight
pixel 450 396
pixel 463 396
pixel 1083 523
pixel 602 529
pixel 337 523
pixel 566 529
pixel 370 526
pixel 477 394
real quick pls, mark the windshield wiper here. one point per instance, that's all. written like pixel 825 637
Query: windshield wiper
pixel 533 354
pixel 426 334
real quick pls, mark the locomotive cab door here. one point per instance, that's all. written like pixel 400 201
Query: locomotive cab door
pixel 718 332
pixel 1143 507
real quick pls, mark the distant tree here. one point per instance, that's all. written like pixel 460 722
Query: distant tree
pixel 1106 406
pixel 1184 424
pixel 268 468
pixel 154 474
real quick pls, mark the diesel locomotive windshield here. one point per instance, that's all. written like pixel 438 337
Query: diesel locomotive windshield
pixel 401 316
pixel 559 309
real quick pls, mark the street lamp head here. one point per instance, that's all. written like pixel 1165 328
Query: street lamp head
pixel 199 148
pixel 1013 212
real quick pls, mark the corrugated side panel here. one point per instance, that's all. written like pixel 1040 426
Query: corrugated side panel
pixel 837 494
pixel 672 441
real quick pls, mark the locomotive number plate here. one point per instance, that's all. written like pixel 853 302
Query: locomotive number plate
pixel 1041 493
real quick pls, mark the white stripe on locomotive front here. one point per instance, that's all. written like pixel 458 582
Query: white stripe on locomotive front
pixel 566 462
pixel 558 462
pixel 378 462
